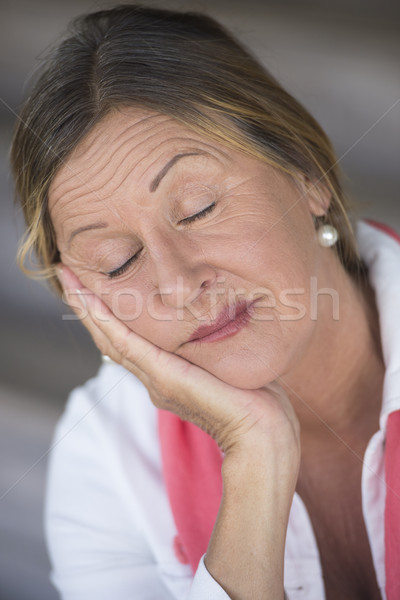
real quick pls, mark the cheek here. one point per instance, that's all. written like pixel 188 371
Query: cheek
pixel 142 314
pixel 279 258
pixel 281 266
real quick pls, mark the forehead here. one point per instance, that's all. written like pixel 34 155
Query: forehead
pixel 128 140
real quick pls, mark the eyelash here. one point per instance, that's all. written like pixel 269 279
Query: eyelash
pixel 121 270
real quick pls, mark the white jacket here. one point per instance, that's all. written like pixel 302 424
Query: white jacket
pixel 109 525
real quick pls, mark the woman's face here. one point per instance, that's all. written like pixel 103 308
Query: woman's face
pixel 169 228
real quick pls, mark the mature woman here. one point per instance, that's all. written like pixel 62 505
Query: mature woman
pixel 241 440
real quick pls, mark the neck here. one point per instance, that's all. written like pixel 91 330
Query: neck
pixel 336 387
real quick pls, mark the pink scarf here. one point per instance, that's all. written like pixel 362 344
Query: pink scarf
pixel 192 471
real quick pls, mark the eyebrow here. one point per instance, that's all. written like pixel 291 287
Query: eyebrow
pixel 157 179
pixel 85 228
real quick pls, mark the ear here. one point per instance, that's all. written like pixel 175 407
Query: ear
pixel 316 194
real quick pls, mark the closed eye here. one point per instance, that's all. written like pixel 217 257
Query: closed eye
pixel 120 270
pixel 199 215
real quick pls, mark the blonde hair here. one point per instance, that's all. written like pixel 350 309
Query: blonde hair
pixel 184 65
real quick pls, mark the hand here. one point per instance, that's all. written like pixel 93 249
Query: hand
pixel 256 429
pixel 235 418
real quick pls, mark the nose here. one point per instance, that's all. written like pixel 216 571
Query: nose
pixel 182 273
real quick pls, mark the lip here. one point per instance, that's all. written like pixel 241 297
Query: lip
pixel 225 324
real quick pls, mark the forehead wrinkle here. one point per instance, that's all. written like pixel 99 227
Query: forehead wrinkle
pixel 75 194
pixel 75 157
pixel 125 158
pixel 108 177
pixel 82 214
pixel 88 143
pixel 125 138
pixel 79 197
pixel 127 135
pixel 94 160
pixel 98 131
pixel 79 175
pixel 146 159
pixel 148 136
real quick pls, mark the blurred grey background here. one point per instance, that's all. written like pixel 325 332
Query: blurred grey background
pixel 340 58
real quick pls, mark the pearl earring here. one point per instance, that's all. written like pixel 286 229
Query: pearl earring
pixel 327 235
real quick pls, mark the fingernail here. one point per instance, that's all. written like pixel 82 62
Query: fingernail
pixel 80 296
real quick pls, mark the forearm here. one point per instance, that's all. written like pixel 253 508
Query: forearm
pixel 246 551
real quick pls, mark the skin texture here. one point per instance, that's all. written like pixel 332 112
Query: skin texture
pixel 294 376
